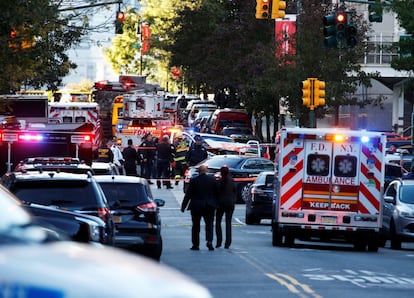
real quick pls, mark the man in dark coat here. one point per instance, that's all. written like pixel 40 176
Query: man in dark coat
pixel 104 153
pixel 196 153
pixel 201 199
pixel 147 156
pixel 165 155
pixel 131 158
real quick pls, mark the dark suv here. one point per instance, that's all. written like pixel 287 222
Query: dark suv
pixel 74 192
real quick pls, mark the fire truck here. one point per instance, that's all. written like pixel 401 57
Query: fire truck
pixel 143 112
pixel 328 185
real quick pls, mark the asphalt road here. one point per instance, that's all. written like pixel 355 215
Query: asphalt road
pixel 252 267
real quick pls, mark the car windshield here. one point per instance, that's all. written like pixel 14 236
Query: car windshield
pixel 66 194
pixel 407 194
pixel 127 194
pixel 218 139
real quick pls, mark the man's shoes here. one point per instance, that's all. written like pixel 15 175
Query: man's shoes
pixel 210 246
pixel 218 245
pixel 195 248
pixel 176 182
pixel 169 187
pixel 159 186
pixel 226 246
pixel 150 182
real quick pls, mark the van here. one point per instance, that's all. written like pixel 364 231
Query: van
pixel 228 117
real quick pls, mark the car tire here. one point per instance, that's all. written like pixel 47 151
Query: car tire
pixel 277 237
pixel 153 251
pixel 252 220
pixel 395 240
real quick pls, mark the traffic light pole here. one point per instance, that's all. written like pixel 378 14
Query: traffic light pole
pixel 312 122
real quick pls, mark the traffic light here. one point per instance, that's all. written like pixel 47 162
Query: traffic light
pixel 375 12
pixel 319 93
pixel 263 9
pixel 329 31
pixel 351 35
pixel 306 93
pixel 278 9
pixel 340 21
pixel 119 22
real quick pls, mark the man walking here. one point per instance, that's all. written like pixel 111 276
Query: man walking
pixel 201 199
pixel 147 155
pixel 165 155
pixel 118 157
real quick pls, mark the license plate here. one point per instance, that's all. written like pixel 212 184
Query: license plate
pixel 328 219
pixel 117 219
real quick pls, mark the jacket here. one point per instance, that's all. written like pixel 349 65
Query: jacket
pixel 201 192
pixel 227 193
pixel 196 154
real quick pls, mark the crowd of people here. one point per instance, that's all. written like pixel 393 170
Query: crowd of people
pixel 206 198
pixel 155 158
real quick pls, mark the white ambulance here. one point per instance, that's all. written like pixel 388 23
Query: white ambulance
pixel 73 112
pixel 329 185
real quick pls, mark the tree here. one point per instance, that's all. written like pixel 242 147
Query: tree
pixel 404 10
pixel 34 36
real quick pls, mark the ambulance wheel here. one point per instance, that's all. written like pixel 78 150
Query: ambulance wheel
pixel 277 237
pixel 289 240
pixel 373 243
pixel 360 244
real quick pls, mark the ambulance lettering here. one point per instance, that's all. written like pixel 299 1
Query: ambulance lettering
pixel 318 147
pixel 332 206
pixel 348 148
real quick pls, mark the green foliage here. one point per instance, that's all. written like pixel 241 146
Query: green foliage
pixel 223 49
pixel 35 56
pixel 404 10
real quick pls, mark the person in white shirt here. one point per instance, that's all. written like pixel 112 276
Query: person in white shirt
pixel 118 157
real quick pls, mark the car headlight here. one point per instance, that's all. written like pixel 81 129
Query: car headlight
pixel 405 212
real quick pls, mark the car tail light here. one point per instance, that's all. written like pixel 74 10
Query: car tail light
pixel 147 207
pixel 103 214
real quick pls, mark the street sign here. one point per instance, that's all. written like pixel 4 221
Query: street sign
pixel 10 137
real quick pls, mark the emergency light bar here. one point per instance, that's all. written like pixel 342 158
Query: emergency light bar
pixel 30 137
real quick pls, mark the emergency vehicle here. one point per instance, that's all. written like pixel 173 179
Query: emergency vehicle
pixel 143 112
pixel 328 185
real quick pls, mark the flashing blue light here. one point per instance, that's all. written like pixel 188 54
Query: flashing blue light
pixel 119 126
pixel 364 139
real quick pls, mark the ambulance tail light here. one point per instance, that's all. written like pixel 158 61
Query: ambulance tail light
pixel 293 214
pixel 30 137
pixel 371 218
pixel 87 138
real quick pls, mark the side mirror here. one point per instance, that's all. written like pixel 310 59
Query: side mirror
pixel 389 199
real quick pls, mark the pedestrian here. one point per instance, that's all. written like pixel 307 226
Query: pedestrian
pixel 147 153
pixel 118 157
pixel 104 152
pixel 165 155
pixel 181 149
pixel 197 153
pixel 201 199
pixel 227 197
pixel 131 159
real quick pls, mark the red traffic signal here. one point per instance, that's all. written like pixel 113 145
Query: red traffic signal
pixel 120 16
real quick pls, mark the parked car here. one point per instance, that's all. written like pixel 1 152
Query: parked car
pixel 34 266
pixel 135 213
pixel 392 171
pixel 227 117
pixel 259 198
pixel 239 134
pixel 244 169
pixel 72 225
pixel 398 212
pixel 53 163
pixel 74 192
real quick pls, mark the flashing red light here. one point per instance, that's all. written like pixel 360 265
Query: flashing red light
pixel 87 138
pixel 30 137
pixel 120 16
pixel 119 99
